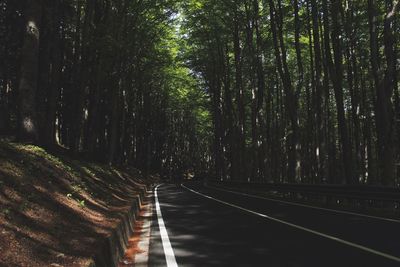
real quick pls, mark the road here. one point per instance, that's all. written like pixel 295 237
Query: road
pixel 209 227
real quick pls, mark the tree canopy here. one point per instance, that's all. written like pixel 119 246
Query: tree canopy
pixel 298 91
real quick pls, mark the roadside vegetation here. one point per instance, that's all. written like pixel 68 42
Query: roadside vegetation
pixel 55 209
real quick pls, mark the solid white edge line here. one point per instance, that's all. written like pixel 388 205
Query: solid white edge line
pixel 168 251
pixel 306 206
pixel 370 250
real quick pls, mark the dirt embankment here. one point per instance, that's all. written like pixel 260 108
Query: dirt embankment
pixel 56 211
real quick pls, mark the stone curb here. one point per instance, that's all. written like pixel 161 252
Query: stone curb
pixel 112 248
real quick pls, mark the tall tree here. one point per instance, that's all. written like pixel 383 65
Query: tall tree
pixel 384 89
pixel 28 126
pixel 335 67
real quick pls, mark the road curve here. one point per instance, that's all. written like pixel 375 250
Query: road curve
pixel 209 227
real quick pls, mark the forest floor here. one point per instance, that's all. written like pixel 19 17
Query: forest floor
pixel 56 211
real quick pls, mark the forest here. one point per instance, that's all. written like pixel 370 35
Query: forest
pixel 282 91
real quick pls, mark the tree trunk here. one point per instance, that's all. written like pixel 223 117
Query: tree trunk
pixel 48 131
pixel 318 95
pixel 261 149
pixel 300 82
pixel 290 97
pixel 384 90
pixel 385 111
pixel 239 100
pixel 115 123
pixel 335 68
pixel 28 126
pixel 250 22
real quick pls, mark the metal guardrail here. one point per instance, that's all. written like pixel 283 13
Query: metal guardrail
pixel 362 192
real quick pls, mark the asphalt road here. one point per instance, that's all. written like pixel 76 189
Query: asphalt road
pixel 224 229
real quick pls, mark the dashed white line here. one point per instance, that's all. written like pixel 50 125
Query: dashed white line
pixel 306 206
pixel 361 247
pixel 168 251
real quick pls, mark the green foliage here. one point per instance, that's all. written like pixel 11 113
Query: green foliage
pixel 232 49
pixel 6 211
pixel 174 86
pixel 80 202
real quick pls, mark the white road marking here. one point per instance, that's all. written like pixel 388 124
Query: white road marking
pixel 168 251
pixel 307 206
pixel 370 250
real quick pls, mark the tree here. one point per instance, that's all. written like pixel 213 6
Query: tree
pixel 28 126
pixel 246 90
